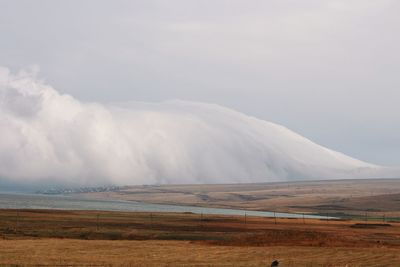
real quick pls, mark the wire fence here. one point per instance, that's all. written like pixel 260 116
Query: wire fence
pixel 78 224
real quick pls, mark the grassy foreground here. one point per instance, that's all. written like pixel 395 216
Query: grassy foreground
pixel 67 252
pixel 32 237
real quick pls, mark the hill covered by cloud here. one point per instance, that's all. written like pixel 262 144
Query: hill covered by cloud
pixel 52 138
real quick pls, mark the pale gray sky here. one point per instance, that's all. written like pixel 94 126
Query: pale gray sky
pixel 328 70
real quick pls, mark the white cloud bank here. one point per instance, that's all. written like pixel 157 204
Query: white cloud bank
pixel 47 137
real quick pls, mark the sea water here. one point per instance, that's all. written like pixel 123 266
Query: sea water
pixel 69 202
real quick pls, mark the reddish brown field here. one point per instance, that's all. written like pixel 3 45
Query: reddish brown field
pixel 79 238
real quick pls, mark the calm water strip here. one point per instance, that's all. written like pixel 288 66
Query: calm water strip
pixel 36 201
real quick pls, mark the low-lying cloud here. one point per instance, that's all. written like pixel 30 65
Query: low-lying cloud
pixel 52 138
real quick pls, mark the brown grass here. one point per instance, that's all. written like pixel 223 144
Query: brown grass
pixel 53 252
pixel 170 239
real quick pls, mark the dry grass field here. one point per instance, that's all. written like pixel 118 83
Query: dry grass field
pixel 91 238
pixel 102 238
pixel 344 198
pixel 68 252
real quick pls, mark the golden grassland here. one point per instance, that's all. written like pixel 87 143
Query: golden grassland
pixel 351 198
pixel 49 237
pixel 67 252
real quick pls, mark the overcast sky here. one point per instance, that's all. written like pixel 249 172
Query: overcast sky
pixel 328 70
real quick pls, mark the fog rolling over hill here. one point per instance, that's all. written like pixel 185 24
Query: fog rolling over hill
pixel 51 138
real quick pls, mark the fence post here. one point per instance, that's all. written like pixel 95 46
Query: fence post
pixel 97 222
pixel 17 221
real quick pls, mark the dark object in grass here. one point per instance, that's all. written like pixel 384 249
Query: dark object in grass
pixel 275 263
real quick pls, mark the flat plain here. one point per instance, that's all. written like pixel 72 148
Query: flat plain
pixel 368 233
pixel 100 238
